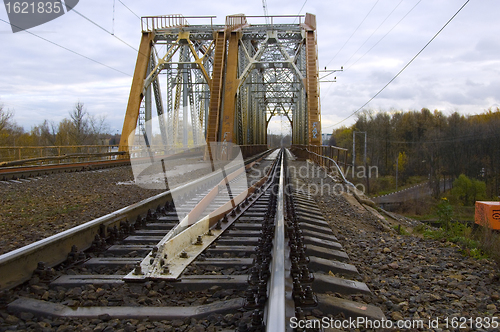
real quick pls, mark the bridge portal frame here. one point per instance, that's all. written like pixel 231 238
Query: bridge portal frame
pixel 250 73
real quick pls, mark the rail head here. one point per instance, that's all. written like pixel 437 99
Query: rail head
pixel 276 305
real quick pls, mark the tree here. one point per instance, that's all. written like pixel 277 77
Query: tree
pixel 81 129
pixel 467 190
pixel 85 129
pixel 332 141
pixel 478 191
pixel 402 162
pixel 10 132
pixel 462 188
pixel 5 118
pixel 45 134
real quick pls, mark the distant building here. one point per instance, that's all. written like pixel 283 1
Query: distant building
pixel 325 138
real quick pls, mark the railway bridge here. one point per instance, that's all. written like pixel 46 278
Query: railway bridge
pixel 223 83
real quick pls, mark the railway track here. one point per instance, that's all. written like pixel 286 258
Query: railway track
pixel 24 172
pixel 266 260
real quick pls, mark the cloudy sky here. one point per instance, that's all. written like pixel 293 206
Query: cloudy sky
pixel 373 40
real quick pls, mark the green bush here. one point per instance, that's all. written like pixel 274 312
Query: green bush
pixel 468 191
pixel 444 212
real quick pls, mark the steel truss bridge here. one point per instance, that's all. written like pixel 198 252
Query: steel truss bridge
pixel 223 83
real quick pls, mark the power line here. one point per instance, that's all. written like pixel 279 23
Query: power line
pixel 371 48
pixel 112 34
pixel 373 32
pixel 352 34
pixel 129 9
pixel 465 138
pixel 406 66
pixel 300 10
pixel 67 49
pixel 385 34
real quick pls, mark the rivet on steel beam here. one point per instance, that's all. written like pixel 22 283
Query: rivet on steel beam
pixel 199 241
pixel 309 299
pixel 44 272
pixel 250 297
pixel 217 225
pixel 138 222
pixel 183 254
pixel 256 320
pixel 149 216
pixel 98 243
pixel 299 313
pixel 305 275
pixel 138 269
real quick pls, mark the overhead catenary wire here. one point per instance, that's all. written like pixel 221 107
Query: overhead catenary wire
pixel 464 138
pixel 300 11
pixel 371 48
pixel 104 29
pixel 124 5
pixel 357 28
pixel 374 31
pixel 395 25
pixel 406 66
pixel 67 49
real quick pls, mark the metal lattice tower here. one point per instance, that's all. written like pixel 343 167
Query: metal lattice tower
pixel 224 83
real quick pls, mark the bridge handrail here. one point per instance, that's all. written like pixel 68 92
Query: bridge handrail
pixel 151 23
pixel 22 153
pixel 234 22
pixel 321 157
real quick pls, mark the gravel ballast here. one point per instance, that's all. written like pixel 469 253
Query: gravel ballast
pixel 35 208
pixel 412 278
pixel 40 207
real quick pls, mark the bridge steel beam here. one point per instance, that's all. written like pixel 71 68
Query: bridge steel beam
pixel 136 91
pixel 313 105
pixel 230 90
pixel 216 87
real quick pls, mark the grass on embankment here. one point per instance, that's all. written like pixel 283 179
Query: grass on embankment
pixel 474 241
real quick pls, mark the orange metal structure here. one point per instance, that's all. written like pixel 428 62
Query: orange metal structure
pixel 488 214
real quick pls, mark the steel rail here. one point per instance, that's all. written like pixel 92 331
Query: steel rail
pixel 276 309
pixel 22 172
pixel 18 265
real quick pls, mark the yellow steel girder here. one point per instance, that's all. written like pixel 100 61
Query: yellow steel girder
pixel 230 89
pixel 136 92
